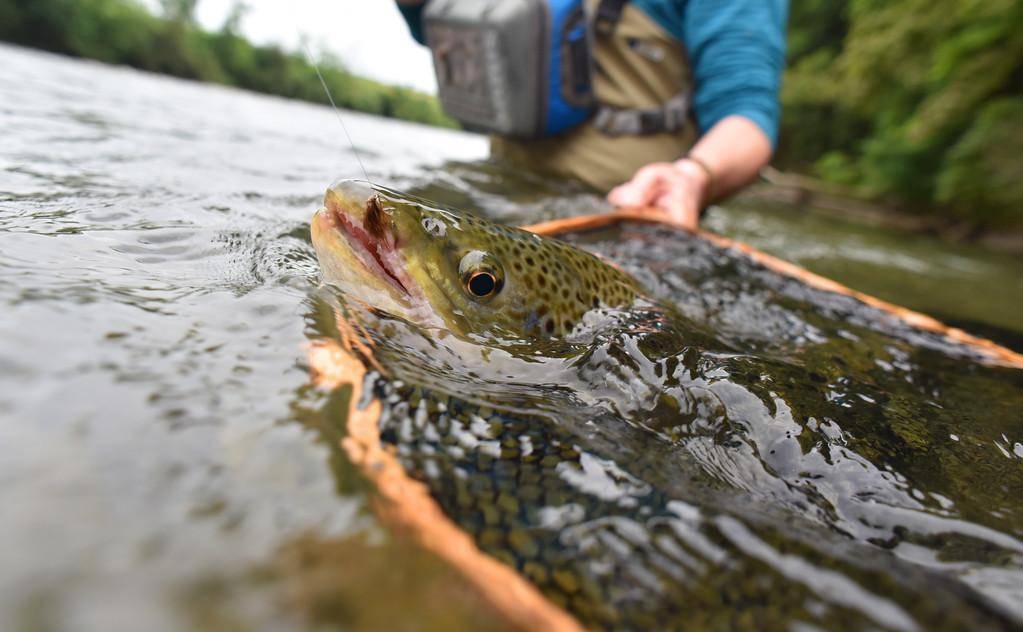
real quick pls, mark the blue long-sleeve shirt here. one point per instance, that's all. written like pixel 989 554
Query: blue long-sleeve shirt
pixel 736 49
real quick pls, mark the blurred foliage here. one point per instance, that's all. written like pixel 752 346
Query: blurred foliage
pixel 125 32
pixel 918 102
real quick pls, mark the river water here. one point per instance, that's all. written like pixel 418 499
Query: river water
pixel 165 464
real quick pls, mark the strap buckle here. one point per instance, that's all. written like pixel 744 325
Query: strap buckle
pixel 671 117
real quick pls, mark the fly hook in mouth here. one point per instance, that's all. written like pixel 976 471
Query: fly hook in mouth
pixel 376 220
pixel 375 245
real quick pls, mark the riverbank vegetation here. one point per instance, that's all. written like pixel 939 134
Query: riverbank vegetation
pixel 916 104
pixel 125 32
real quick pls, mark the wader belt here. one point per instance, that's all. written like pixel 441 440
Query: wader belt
pixel 641 121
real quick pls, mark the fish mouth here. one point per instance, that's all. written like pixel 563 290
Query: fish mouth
pixel 354 212
pixel 366 245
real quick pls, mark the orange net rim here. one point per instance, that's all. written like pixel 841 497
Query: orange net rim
pixel 406 504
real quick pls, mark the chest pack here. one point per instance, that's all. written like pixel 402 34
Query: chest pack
pixel 524 68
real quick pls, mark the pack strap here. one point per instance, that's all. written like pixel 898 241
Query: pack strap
pixel 608 14
pixel 671 117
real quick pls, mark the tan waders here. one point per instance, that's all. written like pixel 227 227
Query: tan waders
pixel 638 66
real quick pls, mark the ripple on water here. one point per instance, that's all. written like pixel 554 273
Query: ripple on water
pixel 161 442
pixel 790 459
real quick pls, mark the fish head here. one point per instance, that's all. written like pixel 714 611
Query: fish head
pixel 446 268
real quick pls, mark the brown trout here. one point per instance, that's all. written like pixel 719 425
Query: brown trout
pixel 449 269
pixel 552 466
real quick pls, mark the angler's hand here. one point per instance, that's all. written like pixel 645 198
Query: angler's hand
pixel 678 190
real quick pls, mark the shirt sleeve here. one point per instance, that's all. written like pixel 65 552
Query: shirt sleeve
pixel 737 52
pixel 413 14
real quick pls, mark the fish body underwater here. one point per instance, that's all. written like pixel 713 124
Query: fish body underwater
pixel 578 492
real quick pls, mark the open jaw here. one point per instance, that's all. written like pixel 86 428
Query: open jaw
pixel 377 251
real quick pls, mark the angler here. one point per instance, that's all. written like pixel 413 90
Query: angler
pixel 676 102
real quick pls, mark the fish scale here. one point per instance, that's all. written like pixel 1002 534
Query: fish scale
pixel 567 282
pixel 640 560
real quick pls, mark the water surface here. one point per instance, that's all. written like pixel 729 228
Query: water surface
pixel 167 464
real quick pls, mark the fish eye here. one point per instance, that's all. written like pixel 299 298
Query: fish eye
pixel 482 284
pixel 481 274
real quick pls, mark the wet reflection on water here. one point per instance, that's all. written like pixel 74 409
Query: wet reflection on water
pixel 166 463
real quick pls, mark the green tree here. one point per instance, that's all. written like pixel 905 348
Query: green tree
pixel 125 32
pixel 905 100
pixel 179 10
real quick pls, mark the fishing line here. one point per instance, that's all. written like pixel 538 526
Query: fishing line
pixel 330 97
